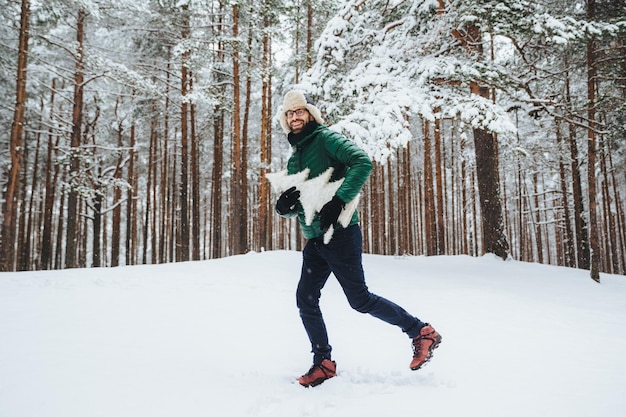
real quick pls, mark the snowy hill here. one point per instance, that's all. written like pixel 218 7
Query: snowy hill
pixel 223 338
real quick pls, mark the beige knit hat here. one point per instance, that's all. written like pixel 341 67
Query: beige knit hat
pixel 294 99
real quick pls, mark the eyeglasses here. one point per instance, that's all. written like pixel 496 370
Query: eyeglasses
pixel 299 113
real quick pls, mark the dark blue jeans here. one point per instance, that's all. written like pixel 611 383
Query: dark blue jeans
pixel 342 257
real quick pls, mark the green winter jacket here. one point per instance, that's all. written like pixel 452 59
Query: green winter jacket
pixel 320 150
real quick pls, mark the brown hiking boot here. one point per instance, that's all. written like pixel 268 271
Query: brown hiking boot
pixel 318 374
pixel 423 346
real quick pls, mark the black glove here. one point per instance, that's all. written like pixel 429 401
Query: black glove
pixel 287 201
pixel 330 213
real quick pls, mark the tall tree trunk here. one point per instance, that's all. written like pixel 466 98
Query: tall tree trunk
pixel 7 233
pixel 165 164
pixel 97 228
pixel 608 203
pixel 149 193
pixel 154 193
pixel 244 139
pixel 21 247
pixel 26 247
pixel 475 208
pixel 580 225
pixel 391 192
pixel 216 187
pixel 537 217
pixel 131 203
pixel 172 223
pixel 404 201
pixel 569 234
pixel 59 253
pixel 441 230
pixel 309 34
pixel 182 252
pixel 195 185
pixel 465 245
pixel 238 193
pixel 452 213
pixel 378 209
pixel 419 208
pixel 494 240
pixel 117 197
pixel 71 239
pixel 620 243
pixel 218 150
pixel 51 186
pixel 591 150
pixel 430 223
pixel 265 229
pixel 487 173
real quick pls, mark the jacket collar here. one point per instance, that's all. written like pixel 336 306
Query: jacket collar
pixel 298 139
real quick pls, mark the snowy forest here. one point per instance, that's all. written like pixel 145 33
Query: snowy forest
pixel 141 132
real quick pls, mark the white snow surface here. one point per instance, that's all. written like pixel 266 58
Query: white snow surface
pixel 223 338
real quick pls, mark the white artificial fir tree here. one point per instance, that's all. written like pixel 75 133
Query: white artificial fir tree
pixel 314 193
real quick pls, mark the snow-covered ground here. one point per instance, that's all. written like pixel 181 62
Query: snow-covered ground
pixel 223 338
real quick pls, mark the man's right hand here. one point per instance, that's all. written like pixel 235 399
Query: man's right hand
pixel 287 201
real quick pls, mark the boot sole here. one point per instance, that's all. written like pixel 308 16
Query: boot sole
pixel 316 382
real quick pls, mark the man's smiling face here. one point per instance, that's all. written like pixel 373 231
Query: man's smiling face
pixel 298 118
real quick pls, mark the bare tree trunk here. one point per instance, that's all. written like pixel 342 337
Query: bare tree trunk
pixel 537 218
pixel 195 186
pixel 117 197
pixel 51 186
pixel 25 262
pixel 172 222
pixel 430 225
pixel 238 193
pixel 7 233
pixel 309 34
pixel 487 173
pixel 453 213
pixel 610 233
pixel 620 243
pixel 418 208
pixel 71 239
pixel 406 197
pixel 390 193
pixel 21 249
pixel 165 181
pixel 404 206
pixel 521 236
pixel 149 191
pixel 475 226
pixel 58 253
pixel 270 109
pixel 216 188
pixel 182 252
pixel 83 227
pixel 591 150
pixel 464 200
pixel 440 225
pixel 580 225
pixel 569 251
pixel 244 145
pixel 97 228
pixel 265 229
pixel 494 240
pixel 131 203
pixel 377 213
